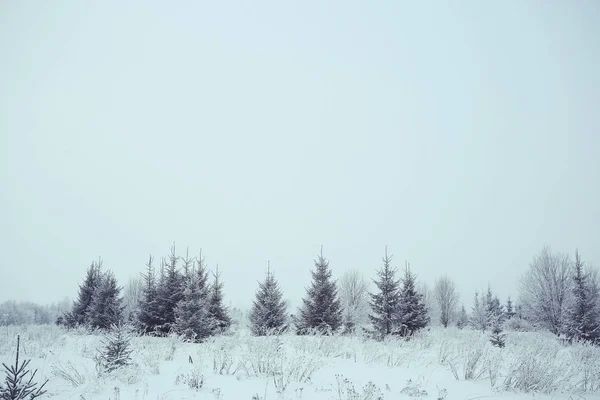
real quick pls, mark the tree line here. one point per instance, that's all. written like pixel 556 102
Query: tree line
pixel 183 297
pixel 30 313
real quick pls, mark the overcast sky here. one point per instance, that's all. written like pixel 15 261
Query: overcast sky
pixel 464 137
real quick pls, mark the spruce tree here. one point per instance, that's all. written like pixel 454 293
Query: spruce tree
pixel 510 312
pixel 192 319
pixel 19 380
pixel 201 272
pixel 115 351
pixel 106 308
pixel 149 315
pixel 219 314
pixel 495 312
pixel 497 336
pixel 188 266
pixel 170 292
pixel 269 310
pixel 582 320
pixel 494 309
pixel 321 309
pixel 384 303
pixel 411 311
pixel 78 316
pixel 462 319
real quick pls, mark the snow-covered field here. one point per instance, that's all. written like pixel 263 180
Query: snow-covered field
pixel 438 364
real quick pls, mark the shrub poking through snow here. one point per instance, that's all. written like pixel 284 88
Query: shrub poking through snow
pixel 345 390
pixel 115 352
pixel 69 373
pixel 193 379
pixel 413 389
pixel 16 384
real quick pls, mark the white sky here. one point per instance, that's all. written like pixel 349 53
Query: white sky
pixel 464 137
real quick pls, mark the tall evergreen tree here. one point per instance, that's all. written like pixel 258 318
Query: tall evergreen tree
pixel 384 303
pixel 412 313
pixel 583 322
pixel 78 316
pixel 192 319
pixel 463 319
pixel 149 316
pixel 201 272
pixel 495 312
pixel 188 266
pixel 321 309
pixel 106 308
pixel 170 292
pixel 510 311
pixel 489 296
pixel 219 314
pixel 269 310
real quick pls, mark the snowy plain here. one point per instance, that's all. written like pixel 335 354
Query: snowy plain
pixel 432 365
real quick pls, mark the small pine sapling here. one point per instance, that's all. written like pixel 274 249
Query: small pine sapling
pixel 497 338
pixel 116 351
pixel 17 386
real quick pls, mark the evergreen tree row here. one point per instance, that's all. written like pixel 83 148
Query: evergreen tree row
pixel 173 301
pixel 179 299
pixel 182 301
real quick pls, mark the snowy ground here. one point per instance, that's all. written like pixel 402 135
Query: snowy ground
pixel 433 366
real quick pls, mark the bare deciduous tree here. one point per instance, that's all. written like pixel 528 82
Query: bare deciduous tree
pixel 354 299
pixel 446 298
pixel 428 299
pixel 545 289
pixel 132 294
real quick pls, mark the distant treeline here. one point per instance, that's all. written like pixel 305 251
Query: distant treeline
pixel 27 313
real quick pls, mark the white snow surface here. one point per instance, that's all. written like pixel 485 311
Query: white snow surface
pixel 239 366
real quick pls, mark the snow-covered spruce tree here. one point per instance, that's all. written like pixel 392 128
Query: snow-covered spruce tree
pixel 192 319
pixel 18 383
pixel 148 317
pixel 321 310
pixel 583 322
pixel 115 351
pixel 106 308
pixel 494 309
pixel 497 338
pixel 479 318
pixel 188 266
pixel 385 301
pixel 170 293
pixel 218 313
pixel 78 316
pixel 463 319
pixel 269 310
pixel 411 312
pixel 510 311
